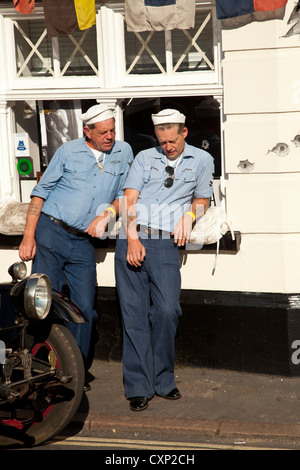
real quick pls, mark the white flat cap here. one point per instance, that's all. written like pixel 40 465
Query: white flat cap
pixel 97 113
pixel 168 116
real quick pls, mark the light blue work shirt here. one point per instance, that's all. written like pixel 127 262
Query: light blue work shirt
pixel 73 187
pixel 160 207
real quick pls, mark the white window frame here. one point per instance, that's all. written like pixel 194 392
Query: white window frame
pixel 112 74
pixel 57 81
pixel 112 85
pixel 113 28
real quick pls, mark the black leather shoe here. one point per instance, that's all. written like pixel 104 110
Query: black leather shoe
pixel 138 403
pixel 173 394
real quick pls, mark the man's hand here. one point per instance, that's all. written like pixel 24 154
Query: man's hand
pixel 98 226
pixel 182 231
pixel 27 249
pixel 136 253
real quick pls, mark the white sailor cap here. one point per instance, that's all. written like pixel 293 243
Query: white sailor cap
pixel 97 113
pixel 168 116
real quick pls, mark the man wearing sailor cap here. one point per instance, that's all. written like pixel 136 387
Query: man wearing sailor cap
pixel 75 199
pixel 167 189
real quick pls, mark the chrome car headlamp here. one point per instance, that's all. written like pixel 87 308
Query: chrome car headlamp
pixel 37 296
pixel 32 296
pixel 18 270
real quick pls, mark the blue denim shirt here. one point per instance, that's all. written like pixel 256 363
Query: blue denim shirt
pixel 160 207
pixel 73 187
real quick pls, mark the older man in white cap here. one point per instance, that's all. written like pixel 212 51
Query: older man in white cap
pixel 168 187
pixel 74 201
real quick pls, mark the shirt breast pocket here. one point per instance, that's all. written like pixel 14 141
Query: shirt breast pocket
pixel 114 177
pixel 151 173
pixel 188 175
pixel 75 171
pixel 114 172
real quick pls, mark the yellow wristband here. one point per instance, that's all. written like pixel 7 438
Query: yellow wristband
pixel 111 210
pixel 191 214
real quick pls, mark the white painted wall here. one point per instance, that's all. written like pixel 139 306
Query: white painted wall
pixel 261 71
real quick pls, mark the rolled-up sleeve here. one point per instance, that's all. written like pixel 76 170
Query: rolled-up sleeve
pixel 51 176
pixel 204 188
pixel 135 178
pixel 129 159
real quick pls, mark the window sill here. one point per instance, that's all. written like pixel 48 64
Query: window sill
pixel 227 245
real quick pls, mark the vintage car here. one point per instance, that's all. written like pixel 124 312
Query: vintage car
pixel 41 367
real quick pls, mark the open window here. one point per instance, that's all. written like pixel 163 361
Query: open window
pixel 203 123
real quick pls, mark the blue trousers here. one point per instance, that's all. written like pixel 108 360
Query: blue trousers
pixel 149 301
pixel 63 256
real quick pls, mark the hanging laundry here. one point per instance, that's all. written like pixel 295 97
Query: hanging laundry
pixel 158 15
pixel 233 8
pixel 24 6
pixel 86 13
pixel 68 16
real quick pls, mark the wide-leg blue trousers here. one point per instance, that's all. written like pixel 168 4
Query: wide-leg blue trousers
pixel 149 299
pixel 63 256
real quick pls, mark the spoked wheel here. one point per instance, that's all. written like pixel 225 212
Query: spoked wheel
pixel 48 404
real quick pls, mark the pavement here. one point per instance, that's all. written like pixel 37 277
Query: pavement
pixel 215 403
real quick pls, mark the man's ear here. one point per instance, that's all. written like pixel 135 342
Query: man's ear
pixel 87 132
pixel 185 132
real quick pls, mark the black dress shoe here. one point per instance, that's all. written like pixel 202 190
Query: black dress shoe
pixel 173 394
pixel 138 403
